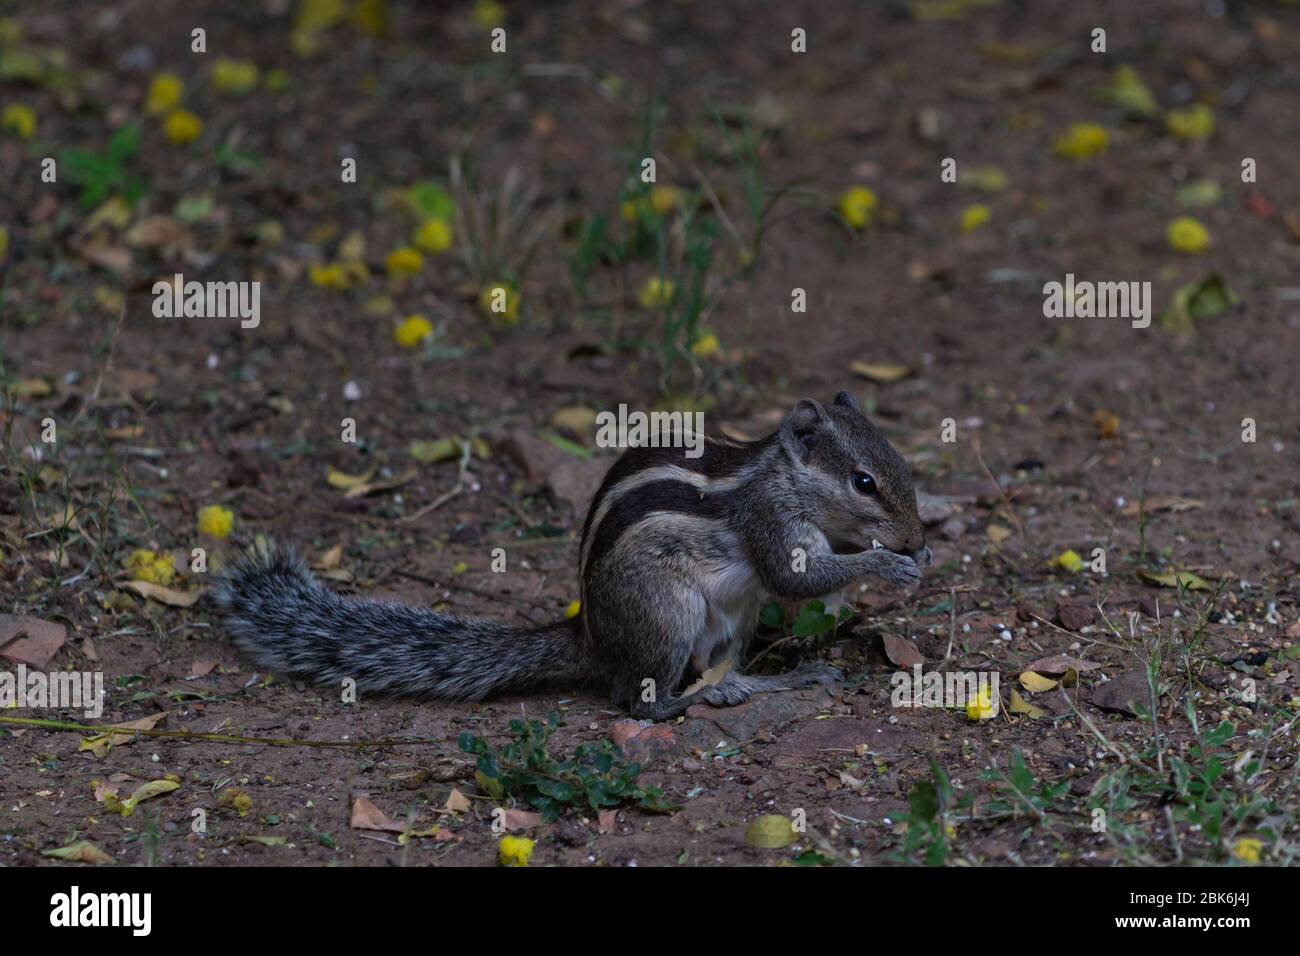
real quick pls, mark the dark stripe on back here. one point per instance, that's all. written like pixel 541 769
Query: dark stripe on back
pixel 676 497
pixel 717 461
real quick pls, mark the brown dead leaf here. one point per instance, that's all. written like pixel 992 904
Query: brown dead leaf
pixel 516 819
pixel 330 559
pixel 901 651
pixel 1060 664
pixel 709 678
pixel 30 640
pixel 201 668
pixel 162 595
pixel 457 802
pixel 1105 423
pixel 607 820
pixel 367 816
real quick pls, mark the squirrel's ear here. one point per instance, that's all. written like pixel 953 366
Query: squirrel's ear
pixel 847 399
pixel 802 423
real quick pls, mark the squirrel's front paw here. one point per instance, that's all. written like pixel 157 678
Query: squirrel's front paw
pixel 898 569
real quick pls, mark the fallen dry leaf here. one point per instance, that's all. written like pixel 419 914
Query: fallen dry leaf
pixel 100 743
pixel 367 816
pixel 901 651
pixel 709 678
pixel 83 851
pixel 1060 664
pixel 1154 503
pixel 30 640
pixel 515 819
pixel 881 374
pixel 1172 579
pixel 164 595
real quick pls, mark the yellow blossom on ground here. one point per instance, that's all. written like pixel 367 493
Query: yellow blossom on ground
pixel 573 609
pixel 433 237
pixel 706 346
pixel 1081 141
pixel 1069 561
pixel 182 127
pixel 404 262
pixel 339 276
pixel 165 91
pixel 664 199
pixel 1193 122
pixel 1248 850
pixel 19 119
pixel 488 14
pixel 144 565
pixel 413 330
pixel 1185 234
pixel 515 851
pixel 501 302
pixel 234 76
pixel 216 521
pixel 656 292
pixel 857 205
pixel 983 706
pixel 974 216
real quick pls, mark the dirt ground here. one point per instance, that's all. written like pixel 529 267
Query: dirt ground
pixel 1071 434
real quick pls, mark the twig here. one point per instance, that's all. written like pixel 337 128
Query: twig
pixel 215 738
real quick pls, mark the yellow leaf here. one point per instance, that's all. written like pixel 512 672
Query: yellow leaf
pixel 1018 705
pixel 710 678
pixel 1036 683
pixel 996 533
pixel 83 851
pixel 346 482
pixel 100 743
pixel 770 832
pixel 1172 579
pixel 881 374
pixel 164 595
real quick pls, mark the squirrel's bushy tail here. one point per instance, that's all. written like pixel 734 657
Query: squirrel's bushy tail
pixel 288 622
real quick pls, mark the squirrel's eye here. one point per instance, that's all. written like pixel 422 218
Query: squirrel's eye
pixel 864 483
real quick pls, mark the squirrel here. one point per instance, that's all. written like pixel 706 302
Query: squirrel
pixel 678 555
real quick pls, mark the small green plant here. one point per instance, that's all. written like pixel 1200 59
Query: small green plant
pixel 1018 791
pixel 103 174
pixel 929 830
pixel 596 776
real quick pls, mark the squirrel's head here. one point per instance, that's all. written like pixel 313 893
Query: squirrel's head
pixel 852 483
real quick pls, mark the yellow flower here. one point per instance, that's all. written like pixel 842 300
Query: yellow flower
pixel 1081 141
pixel 413 330
pixel 857 205
pixel 1069 561
pixel 488 14
pixel 164 94
pixel 664 199
pixel 234 76
pixel 216 521
pixel 1191 122
pixel 1185 234
pixel 338 276
pixel 148 566
pixel 182 127
pixel 404 262
pixel 19 119
pixel 1248 850
pixel 433 237
pixel 706 346
pixel 983 706
pixel 655 292
pixel 573 609
pixel 974 216
pixel 515 851
pixel 500 302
